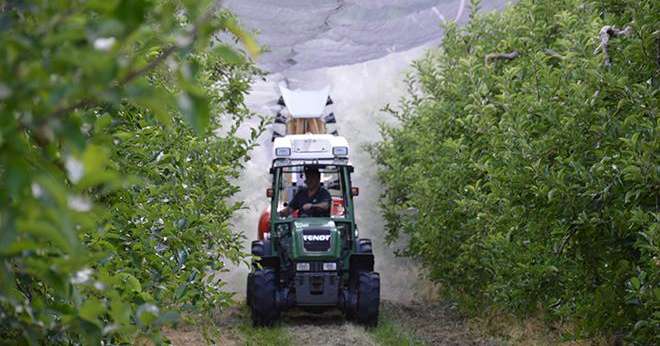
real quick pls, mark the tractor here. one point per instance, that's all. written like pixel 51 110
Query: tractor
pixel 311 256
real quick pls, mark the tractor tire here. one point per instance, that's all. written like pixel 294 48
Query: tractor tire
pixel 350 304
pixel 250 289
pixel 261 248
pixel 263 304
pixel 368 300
pixel 364 246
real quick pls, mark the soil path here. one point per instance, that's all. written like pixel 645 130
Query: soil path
pixel 434 324
pixel 430 324
pixel 327 328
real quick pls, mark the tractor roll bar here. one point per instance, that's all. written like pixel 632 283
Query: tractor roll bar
pixel 280 162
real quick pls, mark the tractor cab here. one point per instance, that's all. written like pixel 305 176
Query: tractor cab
pixel 320 186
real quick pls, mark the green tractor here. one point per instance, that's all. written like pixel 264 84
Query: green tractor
pixel 308 253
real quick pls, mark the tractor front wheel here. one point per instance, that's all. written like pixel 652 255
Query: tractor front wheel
pixel 262 301
pixel 368 300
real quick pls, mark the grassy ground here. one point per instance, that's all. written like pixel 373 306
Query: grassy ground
pixel 390 333
pixel 411 324
pixel 234 327
pixel 273 336
pixel 532 330
pixel 230 327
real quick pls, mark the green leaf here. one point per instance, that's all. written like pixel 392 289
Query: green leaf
pixel 634 282
pixel 102 123
pixel 160 103
pixel 146 314
pixel 180 291
pixel 62 239
pixel 94 159
pixel 194 106
pixel 16 248
pixel 227 54
pixel 132 12
pixel 248 41
pixel 632 173
pixel 130 282
pixel 120 311
pixel 91 310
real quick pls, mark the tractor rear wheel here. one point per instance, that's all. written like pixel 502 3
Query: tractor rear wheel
pixel 364 246
pixel 250 289
pixel 368 300
pixel 263 302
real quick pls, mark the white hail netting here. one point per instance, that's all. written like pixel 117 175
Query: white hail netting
pixel 304 35
pixel 350 48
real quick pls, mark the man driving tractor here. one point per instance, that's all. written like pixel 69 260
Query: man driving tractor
pixel 312 201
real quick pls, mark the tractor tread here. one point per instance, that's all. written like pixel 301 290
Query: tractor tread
pixel 368 298
pixel 250 289
pixel 365 246
pixel 263 303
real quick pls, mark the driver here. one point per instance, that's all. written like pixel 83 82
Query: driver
pixel 314 200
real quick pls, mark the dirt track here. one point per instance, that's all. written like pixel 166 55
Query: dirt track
pixel 430 324
pixel 433 324
pixel 328 328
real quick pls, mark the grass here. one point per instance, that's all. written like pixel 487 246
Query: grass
pixel 530 330
pixel 390 334
pixel 271 336
pixel 231 327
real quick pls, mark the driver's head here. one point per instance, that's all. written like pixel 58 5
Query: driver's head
pixel 312 176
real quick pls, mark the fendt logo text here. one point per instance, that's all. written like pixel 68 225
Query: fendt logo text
pixel 322 237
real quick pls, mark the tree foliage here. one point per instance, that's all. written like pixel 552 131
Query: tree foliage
pixel 114 209
pixel 535 175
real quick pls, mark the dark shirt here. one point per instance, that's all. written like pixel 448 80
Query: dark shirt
pixel 302 198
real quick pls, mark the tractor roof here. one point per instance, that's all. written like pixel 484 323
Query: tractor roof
pixel 310 149
pixel 305 103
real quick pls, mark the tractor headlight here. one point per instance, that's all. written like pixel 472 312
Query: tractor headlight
pixel 340 151
pixel 283 151
pixel 302 267
pixel 330 266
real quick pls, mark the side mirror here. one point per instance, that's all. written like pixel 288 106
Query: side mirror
pixel 355 191
pixel 269 192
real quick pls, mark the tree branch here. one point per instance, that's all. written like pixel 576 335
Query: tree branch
pixel 88 102
pixel 500 56
pixel 150 66
pixel 605 34
pixel 564 242
pixel 657 48
pixel 553 54
pixel 130 76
